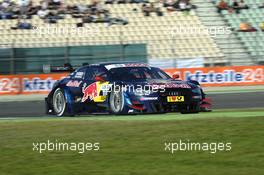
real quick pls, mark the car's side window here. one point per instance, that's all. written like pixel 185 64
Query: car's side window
pixel 98 71
pixel 89 74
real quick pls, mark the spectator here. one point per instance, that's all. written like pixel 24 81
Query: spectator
pixel 243 5
pixel 24 5
pixel 78 11
pixel 56 2
pixel 147 9
pixel 120 21
pixel 43 13
pixel 222 5
pixel 81 9
pixel 262 6
pixel 53 17
pixel 246 27
pixel 138 1
pixel 6 3
pixel 235 4
pixel 62 8
pixel 169 4
pixel 88 18
pixel 109 1
pixel 239 6
pixel 6 10
pixel 125 1
pixel 22 25
pixel 53 4
pixel 262 26
pixel 183 5
pixel 32 10
pixel 94 6
pixel 15 10
pixel 121 2
pixel 44 4
pixel 101 18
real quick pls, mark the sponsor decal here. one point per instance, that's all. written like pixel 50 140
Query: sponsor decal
pixel 74 83
pixel 96 91
pixel 222 76
pixel 215 77
pixel 79 75
pixel 111 66
pixel 28 84
pixel 105 88
pixel 148 98
pixel 170 85
pixel 136 65
pixel 130 110
pixel 36 84
pixel 90 91
pixel 9 85
pixel 175 98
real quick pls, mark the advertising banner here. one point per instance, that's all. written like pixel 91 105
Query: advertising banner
pixel 222 76
pixel 213 76
pixel 28 84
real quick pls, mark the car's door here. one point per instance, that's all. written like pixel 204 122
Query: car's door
pixel 91 88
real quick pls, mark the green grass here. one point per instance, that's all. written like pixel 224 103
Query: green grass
pixel 134 145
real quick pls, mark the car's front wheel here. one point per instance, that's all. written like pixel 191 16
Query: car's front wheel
pixel 59 102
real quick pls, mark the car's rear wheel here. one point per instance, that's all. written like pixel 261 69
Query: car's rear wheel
pixel 191 108
pixel 59 102
pixel 116 102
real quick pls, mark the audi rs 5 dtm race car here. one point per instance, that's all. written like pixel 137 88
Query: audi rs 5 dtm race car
pixel 123 88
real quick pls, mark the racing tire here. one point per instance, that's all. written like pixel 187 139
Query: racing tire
pixel 191 109
pixel 116 102
pixel 59 103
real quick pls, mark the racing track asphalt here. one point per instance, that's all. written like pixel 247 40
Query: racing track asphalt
pixel 220 101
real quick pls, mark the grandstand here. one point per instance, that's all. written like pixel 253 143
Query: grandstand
pixel 230 45
pixel 252 41
pixel 157 32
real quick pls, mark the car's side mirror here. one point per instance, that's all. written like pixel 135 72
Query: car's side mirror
pixel 99 78
pixel 175 76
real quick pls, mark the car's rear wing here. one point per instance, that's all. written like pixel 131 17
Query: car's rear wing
pixel 67 67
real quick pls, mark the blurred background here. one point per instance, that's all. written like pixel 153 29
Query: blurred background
pixel 35 34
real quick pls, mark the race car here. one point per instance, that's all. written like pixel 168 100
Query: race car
pixel 123 88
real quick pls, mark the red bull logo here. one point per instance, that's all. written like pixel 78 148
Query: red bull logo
pixel 90 92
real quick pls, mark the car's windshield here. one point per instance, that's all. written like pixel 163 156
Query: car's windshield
pixel 137 73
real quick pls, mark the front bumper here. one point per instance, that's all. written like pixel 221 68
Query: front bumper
pixel 158 103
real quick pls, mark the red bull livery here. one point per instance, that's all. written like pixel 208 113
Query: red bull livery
pixel 124 88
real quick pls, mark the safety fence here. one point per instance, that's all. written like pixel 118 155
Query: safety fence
pixel 213 76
